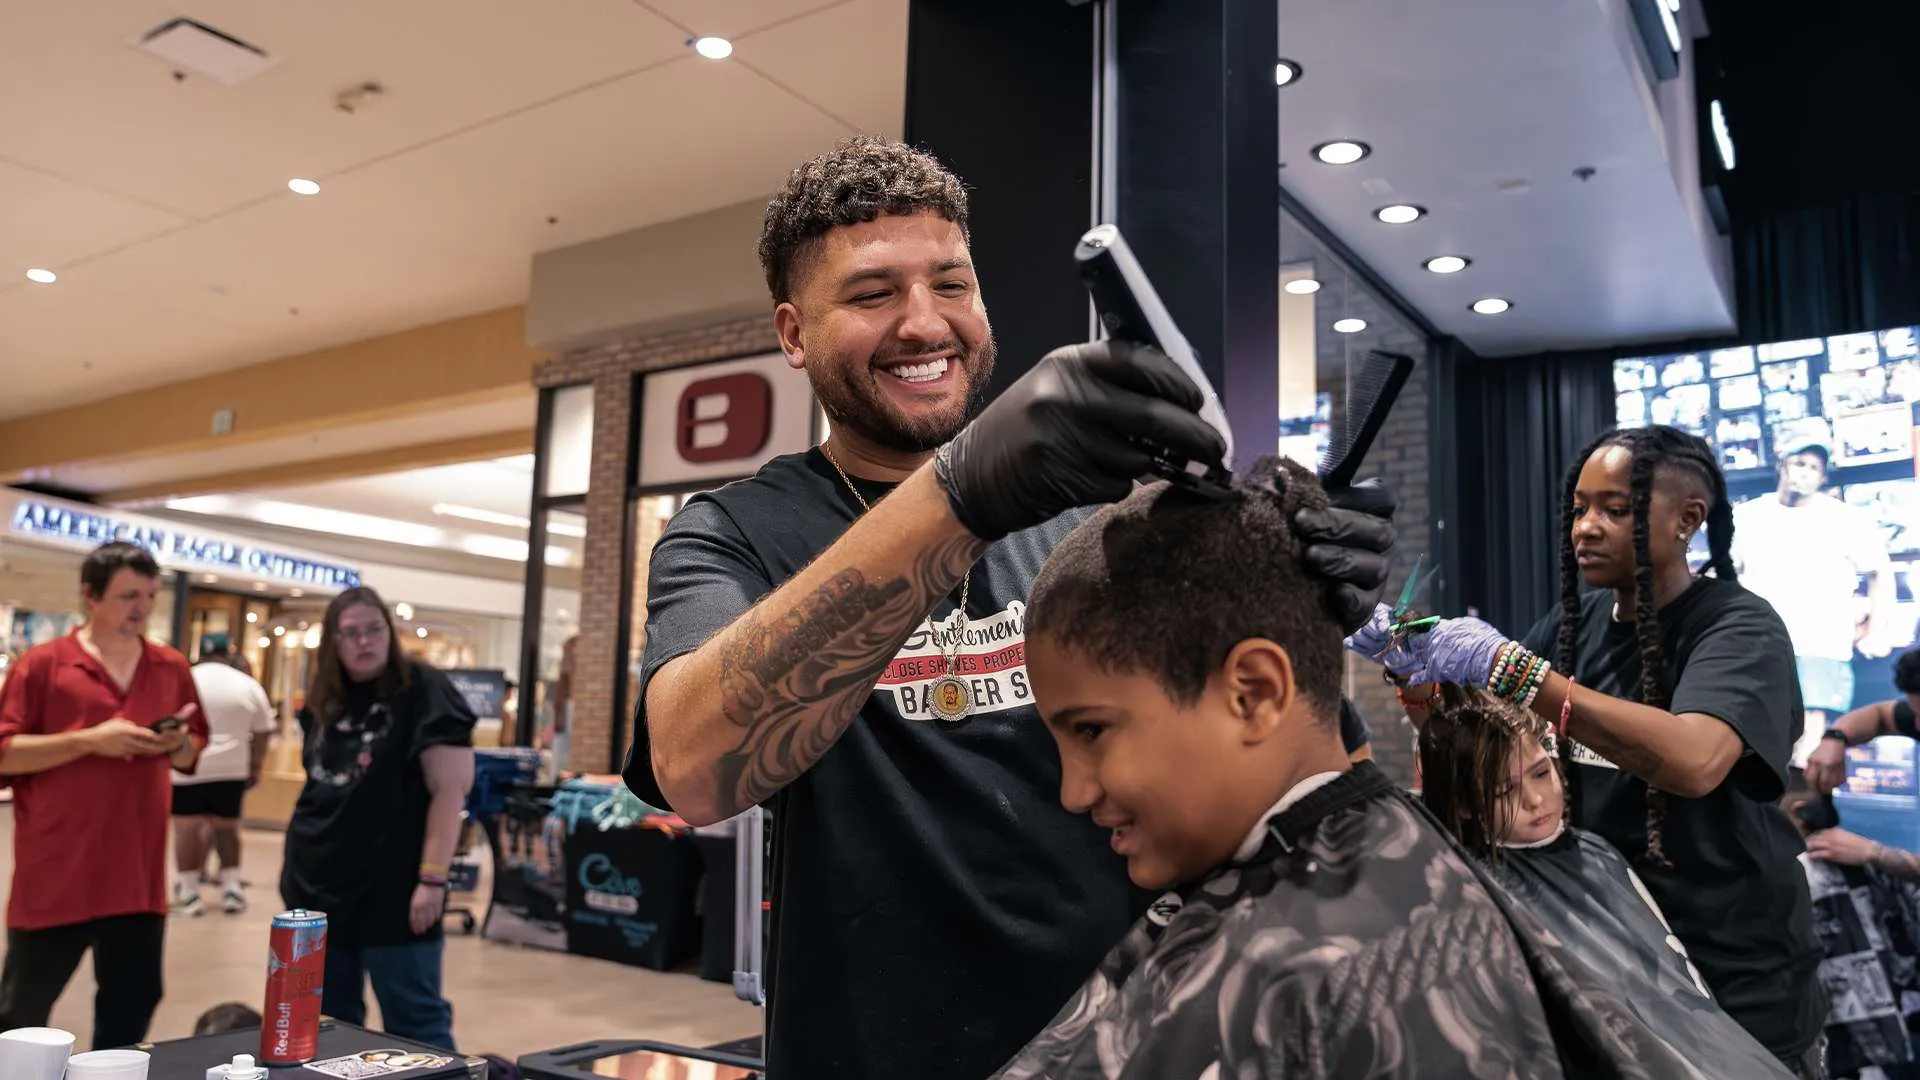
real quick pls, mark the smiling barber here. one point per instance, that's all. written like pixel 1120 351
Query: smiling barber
pixel 934 904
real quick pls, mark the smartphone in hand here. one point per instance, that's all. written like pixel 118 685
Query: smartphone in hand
pixel 167 725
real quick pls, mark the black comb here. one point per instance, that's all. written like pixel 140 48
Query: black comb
pixel 1130 310
pixel 1371 392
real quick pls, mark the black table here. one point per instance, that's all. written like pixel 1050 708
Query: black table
pixel 189 1059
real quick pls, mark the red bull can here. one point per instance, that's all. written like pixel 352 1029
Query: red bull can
pixel 296 974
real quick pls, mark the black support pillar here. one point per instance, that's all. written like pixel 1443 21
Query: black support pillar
pixel 1001 91
pixel 1197 182
pixel 1158 114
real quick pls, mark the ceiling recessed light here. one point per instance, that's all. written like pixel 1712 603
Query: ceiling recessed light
pixel 303 187
pixel 43 277
pixel 1341 152
pixel 1492 305
pixel 1284 72
pixel 1349 326
pixel 421 632
pixel 1400 213
pixel 713 48
pixel 1448 264
pixel 1305 286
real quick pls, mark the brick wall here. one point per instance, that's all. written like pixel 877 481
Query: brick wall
pixel 1400 457
pixel 612 369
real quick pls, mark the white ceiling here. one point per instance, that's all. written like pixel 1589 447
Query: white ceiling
pixel 1457 97
pixel 486 418
pixel 163 205
pixel 416 508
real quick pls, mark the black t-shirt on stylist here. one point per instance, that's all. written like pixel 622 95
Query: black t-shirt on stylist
pixel 353 843
pixel 933 903
pixel 1736 895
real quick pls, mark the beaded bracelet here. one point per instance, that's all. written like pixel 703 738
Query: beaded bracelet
pixel 1503 665
pixel 1509 670
pixel 1518 674
pixel 1566 710
pixel 1535 682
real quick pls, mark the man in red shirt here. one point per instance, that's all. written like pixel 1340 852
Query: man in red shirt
pixel 89 724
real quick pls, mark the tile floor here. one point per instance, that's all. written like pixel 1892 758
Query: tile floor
pixel 506 1000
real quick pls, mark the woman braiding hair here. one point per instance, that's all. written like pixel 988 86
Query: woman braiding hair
pixel 1674 699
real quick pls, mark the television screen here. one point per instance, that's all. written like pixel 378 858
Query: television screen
pixel 1817 438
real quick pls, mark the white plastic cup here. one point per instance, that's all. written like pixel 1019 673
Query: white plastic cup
pixel 108 1065
pixel 35 1053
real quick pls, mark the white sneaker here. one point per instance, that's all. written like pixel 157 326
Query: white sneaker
pixel 186 900
pixel 233 901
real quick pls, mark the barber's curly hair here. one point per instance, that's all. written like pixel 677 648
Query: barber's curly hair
pixel 859 180
pixel 1166 583
pixel 1654 449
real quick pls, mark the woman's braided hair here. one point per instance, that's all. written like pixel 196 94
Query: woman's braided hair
pixel 1653 448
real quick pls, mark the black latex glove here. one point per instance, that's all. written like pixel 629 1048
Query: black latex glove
pixel 1351 544
pixel 1060 436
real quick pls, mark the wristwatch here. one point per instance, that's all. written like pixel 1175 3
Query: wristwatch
pixel 1836 733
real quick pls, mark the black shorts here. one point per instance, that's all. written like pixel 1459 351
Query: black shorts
pixel 215 798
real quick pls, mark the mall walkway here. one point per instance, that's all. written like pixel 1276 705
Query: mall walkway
pixel 506 1000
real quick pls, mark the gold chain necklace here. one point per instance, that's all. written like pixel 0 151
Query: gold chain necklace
pixel 947 697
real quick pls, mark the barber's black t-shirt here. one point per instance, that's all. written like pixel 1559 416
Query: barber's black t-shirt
pixel 1903 720
pixel 934 905
pixel 354 840
pixel 1736 895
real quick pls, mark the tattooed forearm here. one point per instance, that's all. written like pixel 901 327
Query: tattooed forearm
pixel 1896 863
pixel 793 680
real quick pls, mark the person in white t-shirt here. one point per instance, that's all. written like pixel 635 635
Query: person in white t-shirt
pixel 1806 552
pixel 206 805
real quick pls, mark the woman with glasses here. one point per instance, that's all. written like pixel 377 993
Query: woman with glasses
pixel 389 759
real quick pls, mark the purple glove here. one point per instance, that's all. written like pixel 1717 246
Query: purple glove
pixel 1371 640
pixel 1457 651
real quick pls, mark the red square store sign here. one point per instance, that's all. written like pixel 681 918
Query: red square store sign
pixel 721 421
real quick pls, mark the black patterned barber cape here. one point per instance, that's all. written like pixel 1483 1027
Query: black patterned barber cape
pixel 1357 944
pixel 1587 898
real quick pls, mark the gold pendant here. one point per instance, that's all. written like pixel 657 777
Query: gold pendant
pixel 949 699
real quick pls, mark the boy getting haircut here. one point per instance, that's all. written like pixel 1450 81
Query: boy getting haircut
pixel 1316 922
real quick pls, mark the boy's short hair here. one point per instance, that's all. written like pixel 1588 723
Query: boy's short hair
pixel 859 180
pixel 1166 583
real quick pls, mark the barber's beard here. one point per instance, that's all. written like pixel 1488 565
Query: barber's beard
pixel 851 397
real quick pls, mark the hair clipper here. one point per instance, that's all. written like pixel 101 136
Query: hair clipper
pixel 1130 310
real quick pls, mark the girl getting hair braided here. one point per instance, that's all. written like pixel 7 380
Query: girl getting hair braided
pixel 1676 702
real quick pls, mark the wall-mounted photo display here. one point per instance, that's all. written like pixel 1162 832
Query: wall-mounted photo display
pixel 1818 440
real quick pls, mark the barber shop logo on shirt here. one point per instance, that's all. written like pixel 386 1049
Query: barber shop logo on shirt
pixel 992 660
pixel 1584 755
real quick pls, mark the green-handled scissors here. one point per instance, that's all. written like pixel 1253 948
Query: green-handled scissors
pixel 1415 584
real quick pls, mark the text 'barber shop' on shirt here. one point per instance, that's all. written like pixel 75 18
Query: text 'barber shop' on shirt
pixel 992 658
